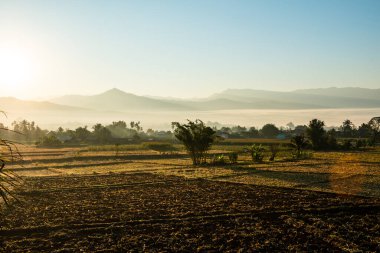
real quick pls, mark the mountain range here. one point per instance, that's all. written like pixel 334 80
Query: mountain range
pixel 116 104
pixel 116 100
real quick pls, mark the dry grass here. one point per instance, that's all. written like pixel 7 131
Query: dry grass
pixel 341 172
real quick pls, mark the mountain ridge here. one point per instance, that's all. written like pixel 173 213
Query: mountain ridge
pixel 116 99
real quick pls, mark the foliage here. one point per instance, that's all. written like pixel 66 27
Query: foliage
pixel 269 131
pixel 274 149
pixel 347 128
pixel 374 124
pixel 347 144
pixel 233 157
pixel 82 134
pixel 299 142
pixel 49 141
pixel 316 133
pixel 160 147
pixel 196 137
pixel 218 159
pixel 101 134
pixel 256 152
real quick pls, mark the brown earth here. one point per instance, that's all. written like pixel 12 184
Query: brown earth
pixel 120 212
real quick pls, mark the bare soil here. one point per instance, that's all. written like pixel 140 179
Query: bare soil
pixel 140 211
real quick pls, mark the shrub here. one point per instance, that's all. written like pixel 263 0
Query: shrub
pixel 196 137
pixel 274 149
pixel 299 142
pixel 49 141
pixel 218 160
pixel 256 152
pixel 160 147
pixel 347 144
pixel 233 157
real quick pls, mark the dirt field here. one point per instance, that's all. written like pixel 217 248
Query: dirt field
pixel 76 200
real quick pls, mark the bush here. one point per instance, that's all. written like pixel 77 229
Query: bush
pixel 274 149
pixel 196 137
pixel 233 157
pixel 218 160
pixel 49 141
pixel 299 142
pixel 256 152
pixel 160 147
pixel 347 144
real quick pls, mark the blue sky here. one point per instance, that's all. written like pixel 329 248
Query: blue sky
pixel 189 48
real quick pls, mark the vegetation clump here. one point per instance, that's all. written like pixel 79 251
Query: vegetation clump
pixel 256 152
pixel 49 141
pixel 233 157
pixel 218 159
pixel 160 147
pixel 299 142
pixel 196 137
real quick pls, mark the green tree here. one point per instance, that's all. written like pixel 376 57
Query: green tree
pixel 82 134
pixel 347 128
pixel 196 137
pixel 269 131
pixel 374 124
pixel 316 133
pixel 101 134
pixel 299 142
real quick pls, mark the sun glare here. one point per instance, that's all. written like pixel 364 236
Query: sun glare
pixel 16 69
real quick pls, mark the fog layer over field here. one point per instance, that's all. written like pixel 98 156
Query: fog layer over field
pixel 162 120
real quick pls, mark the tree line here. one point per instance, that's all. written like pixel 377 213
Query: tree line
pixel 121 132
pixel 198 138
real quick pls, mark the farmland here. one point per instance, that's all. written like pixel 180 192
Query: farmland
pixel 94 199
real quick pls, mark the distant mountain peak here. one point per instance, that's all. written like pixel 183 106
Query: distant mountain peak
pixel 114 91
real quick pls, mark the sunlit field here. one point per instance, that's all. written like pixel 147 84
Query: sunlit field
pixel 108 198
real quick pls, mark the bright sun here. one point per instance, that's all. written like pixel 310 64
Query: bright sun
pixel 16 69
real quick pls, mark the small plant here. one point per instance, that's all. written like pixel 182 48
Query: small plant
pixel 299 142
pixel 233 157
pixel 256 152
pixel 218 160
pixel 274 149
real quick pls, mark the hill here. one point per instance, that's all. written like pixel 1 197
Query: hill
pixel 120 101
pixel 117 100
pixel 305 99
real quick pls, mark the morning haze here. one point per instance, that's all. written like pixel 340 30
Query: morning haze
pixel 190 126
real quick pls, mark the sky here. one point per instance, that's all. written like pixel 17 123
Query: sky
pixel 186 48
